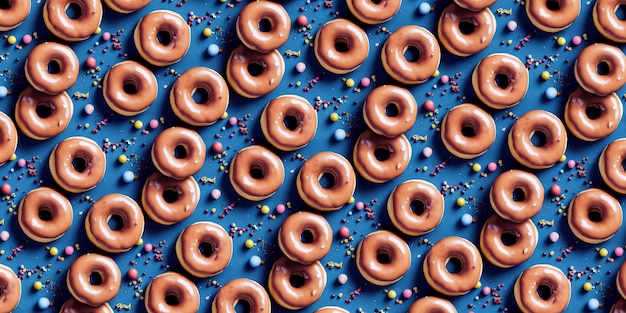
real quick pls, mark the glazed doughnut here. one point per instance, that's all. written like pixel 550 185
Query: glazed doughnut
pixel 500 80
pixel 311 281
pixel 77 164
pixel 44 214
pixel 552 16
pixel 463 32
pixel 51 67
pixel 93 279
pixel 415 207
pixel 331 309
pixel 610 165
pixel 253 74
pixel 383 258
pixel 129 88
pixel 188 84
pixel 256 37
pixel 516 195
pixel 41 116
pixel 505 243
pixel 256 173
pixel 371 12
pixel 619 306
pixel 594 216
pixel 293 241
pixel 432 305
pixel 178 152
pixel 289 122
pixel 589 127
pixel 393 54
pixel 162 37
pixel 590 65
pixel 14 15
pixel 342 177
pixel 474 5
pixel 8 138
pixel 130 226
pixel 126 6
pixel 11 289
pixel 467 131
pixel 542 288
pixel 241 289
pixel 204 249
pixel 620 280
pixel 460 282
pixel 171 292
pixel 73 306
pixel 168 201
pixel 72 29
pixel 607 22
pixel 380 159
pixel 389 110
pixel 341 46
pixel 544 154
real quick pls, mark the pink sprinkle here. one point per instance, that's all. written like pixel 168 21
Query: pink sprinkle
pixel 427 152
pixel 619 251
pixel 154 123
pixel 69 250
pixel 360 205
pixel 300 67
pixel 4 235
pixel 27 39
pixel 147 247
pixel 344 232
pixel 90 62
pixel 342 279
pixel 429 105
pixel 232 121
pixel 217 147
pixel 365 81
pixel 492 166
pixel 444 79
pixel 132 274
pixel 407 293
pixel 571 163
pixel 554 236
pixel 280 209
pixel 511 25
pixel 89 108
pixel 5 189
pixel 106 36
pixel 577 40
pixel 555 190
pixel 21 163
pixel 486 290
pixel 302 20
pixel 216 194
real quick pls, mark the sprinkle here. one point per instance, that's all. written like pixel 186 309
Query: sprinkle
pixel 207 32
pixel 122 158
pixel 300 67
pixel 98 30
pixel 69 250
pixel 27 39
pixel 407 293
pixel 4 235
pixel 38 285
pixel 3 91
pixel 492 166
pixel 444 79
pixel 551 93
pixel 216 194
pixel 232 121
pixel 21 163
pixel 563 158
pixel 365 81
pixel 619 251
pixel 349 82
pixel 460 201
pixel 265 209
pixel 255 261
pixel 391 294
pixel 132 273
pixel 249 243
pixel 359 205
pixel 511 25
pixel 11 40
pixel 213 50
pixel 561 41
pixel 429 105
pixel 545 75
pixel 571 164
pixel 217 147
pixel 106 36
pixel 593 304
pixel 148 247
pixel 43 303
pixel 587 286
pixel 476 167
pixel 555 190
pixel 486 290
pixel 138 124
pixel 424 8
pixel 280 209
pixel 5 189
pixel 302 20
pixel 478 285
pixel 89 109
pixel 554 236
pixel 342 279
pixel 466 219
pixel 340 134
pixel 577 40
pixel 427 152
pixel 154 123
pixel 334 117
pixel 128 177
pixel 54 251
pixel 603 252
pixel 91 62
pixel 344 232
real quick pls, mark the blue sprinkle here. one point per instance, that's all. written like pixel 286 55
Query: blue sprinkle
pixel 255 261
pixel 424 8
pixel 466 219
pixel 340 134
pixel 128 177
pixel 551 93
pixel 213 49
pixel 43 303
pixel 3 91
pixel 593 304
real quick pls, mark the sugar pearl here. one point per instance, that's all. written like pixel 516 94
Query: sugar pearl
pixel 511 25
pixel 554 236
pixel 342 279
pixel 300 67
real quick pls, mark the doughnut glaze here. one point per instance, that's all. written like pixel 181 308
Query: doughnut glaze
pixel 594 81
pixel 383 258
pixel 467 131
pixel 541 276
pixel 543 155
pixel 168 201
pixel 619 306
pixel 14 15
pixel 415 207
pixel 295 227
pixel 210 110
pixel 430 304
pixel 371 12
pixel 329 198
pixel 393 54
pixel 77 164
pixel 395 154
pixel 500 80
pixel 256 173
pixel 516 195
pixel 474 5
pixel 313 278
pixel 11 289
pixel 505 243
pixel 241 289
pixel 45 56
pixel 592 127
pixel 594 216
pixel 249 28
pixel 445 282
pixel 331 309
pixel 390 111
pixel 8 138
pixel 55 113
pixel 481 23
pixel 126 6
pixel 178 152
pixel 289 122
pixel 341 46
pixel 73 306
pixel 265 77
pixel 186 298
pixel 552 19
pixel 160 51
pixel 126 235
pixel 620 280
pixel 79 282
pixel 72 29
pixel 204 249
pixel 44 214
pixel 129 88
pixel 610 165
pixel 607 22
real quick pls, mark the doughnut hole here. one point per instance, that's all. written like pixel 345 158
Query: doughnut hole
pixel 5 5
pixel 45 214
pixel 43 110
pixel 603 68
pixel 508 238
pixel 342 45
pixel 74 10
pixel 502 80
pixel 468 129
pixel 383 256
pixel 553 5
pixel 297 280
pixel 255 68
pixel 130 87
pixel 170 195
pixel 454 265
pixel 257 171
pixel 620 12
pixel 180 151
pixel 594 214
pixel 200 95
pixel 164 37
pixel 538 138
pixel 307 236
pixel 172 298
pixel 242 306
pixel 95 278
pixel 412 53
pixel 594 111
pixel 391 110
pixel 518 194
pixel 116 221
pixel 54 67
pixel 327 180
pixel 265 25
pixel 291 122
pixel 382 153
pixel 544 291
pixel 467 27
pixel 79 163
pixel 418 206
pixel 206 248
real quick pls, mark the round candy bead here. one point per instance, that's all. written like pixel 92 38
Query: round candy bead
pixel 427 152
pixel 5 189
pixel 593 304
pixel 466 219
pixel 339 134
pixel 213 50
pixel 132 273
pixel 4 235
pixel 300 67
pixel 3 91
pixel 554 236
pixel 511 25
pixel 43 303
pixel 89 109
pixel 128 177
pixel 255 261
pixel 106 36
pixel 619 251
pixel 216 194
pixel 69 250
pixel 424 8
pixel 551 93
pixel 342 279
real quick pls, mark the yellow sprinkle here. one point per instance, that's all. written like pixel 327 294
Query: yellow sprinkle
pixel 351 200
pixel 138 124
pixel 551 253
pixel 334 117
pixel 545 75
pixel 213 210
pixel 587 286
pixel 476 167
pixel 563 158
pixel 98 31
pixel 603 252
pixel 249 243
pixel 139 242
pixel 207 32
pixel 38 285
pixel 122 158
pixel 340 295
pixel 391 294
pixel 225 115
pixel 478 285
pixel 461 201
pixel 13 157
pixel 561 41
pixel 265 209
pixel 87 125
pixel 11 40
pixel 350 83
pixel 425 168
pixel 509 42
pixel 54 251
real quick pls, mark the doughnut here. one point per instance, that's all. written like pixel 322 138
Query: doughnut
pixel 263 26
pixel 415 207
pixel 256 173
pixel 289 122
pixel 600 69
pixel 464 278
pixel 44 214
pixel 241 289
pixel 197 80
pixel 171 292
pixel 305 237
pixel 382 257
pixel 130 223
pixel 51 67
pixel 8 138
pixel 77 164
pixel 72 29
pixel 586 125
pixel 500 80
pixel 380 159
pixel 93 279
pixel 620 280
pixel 129 88
pixel 168 201
pixel 505 243
pixel 606 20
pixel 552 16
pixel 542 288
pixel 610 165
pixel 337 170
pixel 293 285
pixel 430 304
pixel 126 6
pixel 331 309
pixel 341 46
pixel 14 15
pixel 594 216
pixel 373 12
pixel 619 306
pixel 390 111
pixel 427 56
pixel 41 116
pixel 516 195
pixel 11 288
pixel 73 306
pixel 463 32
pixel 178 152
pixel 204 249
pixel 474 5
pixel 537 124
pixel 253 74
pixel 162 37
pixel 467 131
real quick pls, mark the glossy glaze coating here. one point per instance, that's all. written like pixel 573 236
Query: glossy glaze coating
pixel 248 26
pixel 371 12
pixel 594 229
pixel 251 85
pixel 139 78
pixel 73 306
pixel 461 282
pixel 486 84
pixel 72 29
pixel 207 262
pixel 480 134
pixel 8 138
pixel 250 185
pixel 75 179
pixel 164 155
pixel 549 19
pixel 162 208
pixel 458 43
pixel 392 248
pixel 126 6
pixel 397 65
pixel 474 5
pixel 149 45
pixel 619 306
pixel 295 298
pixel 430 304
pixel 13 16
pixel 186 85
pixel 508 254
pixel 44 54
pixel 46 200
pixel 123 238
pixel 523 149
pixel 586 69
pixel 172 284
pixel 606 20
pixel 375 110
pixel 620 280
pixel 588 128
pixel 42 127
pixel 331 309
pixel 336 60
pixel 292 230
pixel 501 195
pixel 241 289
pixel 610 165
pixel 79 283
pixel 429 207
pixel 312 192
pixel 289 137
pixel 11 289
pixel 528 283
pixel 381 170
